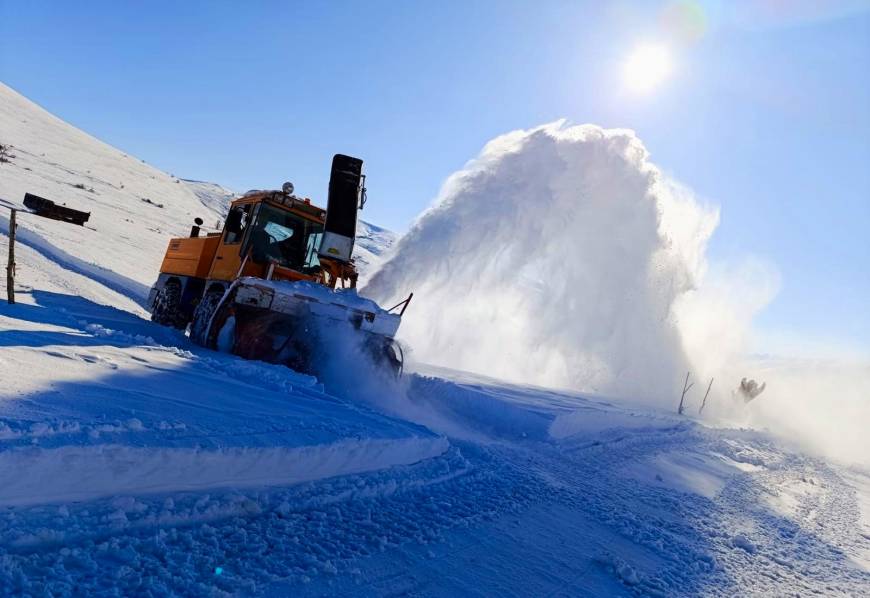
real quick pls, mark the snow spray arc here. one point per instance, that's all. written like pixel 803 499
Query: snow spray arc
pixel 555 257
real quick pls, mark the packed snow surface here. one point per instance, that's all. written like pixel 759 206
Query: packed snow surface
pixel 134 463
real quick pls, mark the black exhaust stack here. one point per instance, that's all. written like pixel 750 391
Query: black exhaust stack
pixel 341 208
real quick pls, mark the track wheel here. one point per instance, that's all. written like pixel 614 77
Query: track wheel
pixel 167 307
pixel 395 357
pixel 202 316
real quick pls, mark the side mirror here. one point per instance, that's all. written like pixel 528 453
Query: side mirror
pixel 233 223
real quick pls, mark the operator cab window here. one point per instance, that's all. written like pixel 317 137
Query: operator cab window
pixel 285 239
pixel 313 245
pixel 236 224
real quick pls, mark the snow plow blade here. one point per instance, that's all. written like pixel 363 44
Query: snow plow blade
pixel 296 323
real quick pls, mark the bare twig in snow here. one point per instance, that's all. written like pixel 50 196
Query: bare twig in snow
pixel 704 402
pixel 686 387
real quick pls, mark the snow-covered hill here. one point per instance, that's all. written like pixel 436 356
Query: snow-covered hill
pixel 135 208
pixel 372 245
pixel 134 463
pixel 212 195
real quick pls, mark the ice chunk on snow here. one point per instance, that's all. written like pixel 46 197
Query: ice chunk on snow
pixel 744 543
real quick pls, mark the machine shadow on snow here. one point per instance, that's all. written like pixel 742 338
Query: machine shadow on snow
pixel 59 309
pixel 264 401
pixel 43 338
pixel 134 290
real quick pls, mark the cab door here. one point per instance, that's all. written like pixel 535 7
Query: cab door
pixel 228 259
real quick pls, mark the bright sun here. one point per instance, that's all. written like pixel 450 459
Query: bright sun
pixel 647 67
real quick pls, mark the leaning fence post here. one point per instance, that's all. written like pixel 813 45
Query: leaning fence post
pixel 686 387
pixel 10 265
pixel 704 402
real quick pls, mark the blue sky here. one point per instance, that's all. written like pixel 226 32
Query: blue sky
pixel 766 112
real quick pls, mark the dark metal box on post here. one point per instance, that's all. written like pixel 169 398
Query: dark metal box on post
pixel 41 207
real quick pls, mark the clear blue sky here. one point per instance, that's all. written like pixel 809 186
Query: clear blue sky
pixel 766 113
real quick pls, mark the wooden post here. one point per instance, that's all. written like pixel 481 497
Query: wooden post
pixel 704 402
pixel 10 266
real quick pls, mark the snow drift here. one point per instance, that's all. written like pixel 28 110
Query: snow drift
pixel 555 257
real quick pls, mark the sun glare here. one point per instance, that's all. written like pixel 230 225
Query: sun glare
pixel 647 67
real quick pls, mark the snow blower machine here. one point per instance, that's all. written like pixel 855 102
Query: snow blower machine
pixel 278 283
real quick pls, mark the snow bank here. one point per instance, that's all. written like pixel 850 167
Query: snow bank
pixel 106 409
pixel 555 257
pixel 75 473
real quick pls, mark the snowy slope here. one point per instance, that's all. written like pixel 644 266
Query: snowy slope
pixel 132 463
pixel 134 207
pixel 372 245
pixel 212 195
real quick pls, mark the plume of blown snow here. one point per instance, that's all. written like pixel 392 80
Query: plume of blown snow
pixel 561 256
pixel 557 257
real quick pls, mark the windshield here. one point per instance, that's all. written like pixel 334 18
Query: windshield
pixel 286 239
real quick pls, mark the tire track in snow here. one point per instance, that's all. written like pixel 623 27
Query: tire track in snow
pixel 175 544
pixel 732 544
